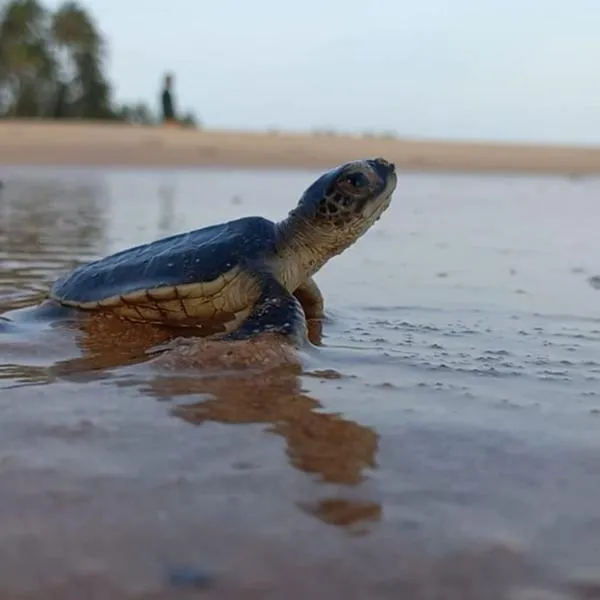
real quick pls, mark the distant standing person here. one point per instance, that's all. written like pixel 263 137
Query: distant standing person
pixel 167 101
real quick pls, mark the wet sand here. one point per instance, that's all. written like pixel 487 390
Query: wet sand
pixel 48 143
pixel 105 492
pixel 442 442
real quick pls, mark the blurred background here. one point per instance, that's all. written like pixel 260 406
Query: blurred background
pixel 506 71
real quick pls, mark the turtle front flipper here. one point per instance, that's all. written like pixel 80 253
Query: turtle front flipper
pixel 311 299
pixel 276 311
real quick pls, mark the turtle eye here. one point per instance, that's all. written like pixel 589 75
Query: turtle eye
pixel 357 180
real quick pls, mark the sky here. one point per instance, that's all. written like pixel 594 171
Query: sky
pixel 507 70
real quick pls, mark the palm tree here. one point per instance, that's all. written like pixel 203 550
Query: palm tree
pixel 27 65
pixel 81 50
pixel 51 64
pixel 74 29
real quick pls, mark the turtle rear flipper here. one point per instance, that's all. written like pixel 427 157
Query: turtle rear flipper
pixel 276 311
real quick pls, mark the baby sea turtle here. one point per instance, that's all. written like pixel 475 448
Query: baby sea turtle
pixel 247 276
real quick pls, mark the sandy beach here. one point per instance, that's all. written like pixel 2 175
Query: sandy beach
pixel 51 143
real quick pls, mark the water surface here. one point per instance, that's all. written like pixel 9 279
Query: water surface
pixel 444 437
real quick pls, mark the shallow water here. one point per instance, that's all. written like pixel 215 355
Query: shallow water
pixel 443 441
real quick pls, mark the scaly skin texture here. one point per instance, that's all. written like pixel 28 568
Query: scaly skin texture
pixel 316 232
pixel 217 306
pixel 224 300
pixel 245 276
pixel 311 299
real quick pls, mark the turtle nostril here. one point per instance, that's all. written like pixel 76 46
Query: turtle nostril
pixel 387 165
pixel 383 167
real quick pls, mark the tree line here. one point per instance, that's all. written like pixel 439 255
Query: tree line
pixel 52 66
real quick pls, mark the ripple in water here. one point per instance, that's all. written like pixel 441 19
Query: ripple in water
pixel 455 398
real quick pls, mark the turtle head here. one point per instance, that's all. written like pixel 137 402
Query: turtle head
pixel 343 204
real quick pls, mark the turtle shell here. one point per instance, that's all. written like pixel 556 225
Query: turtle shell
pixel 199 256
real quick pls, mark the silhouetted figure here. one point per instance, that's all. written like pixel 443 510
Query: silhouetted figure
pixel 167 101
pixel 60 104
